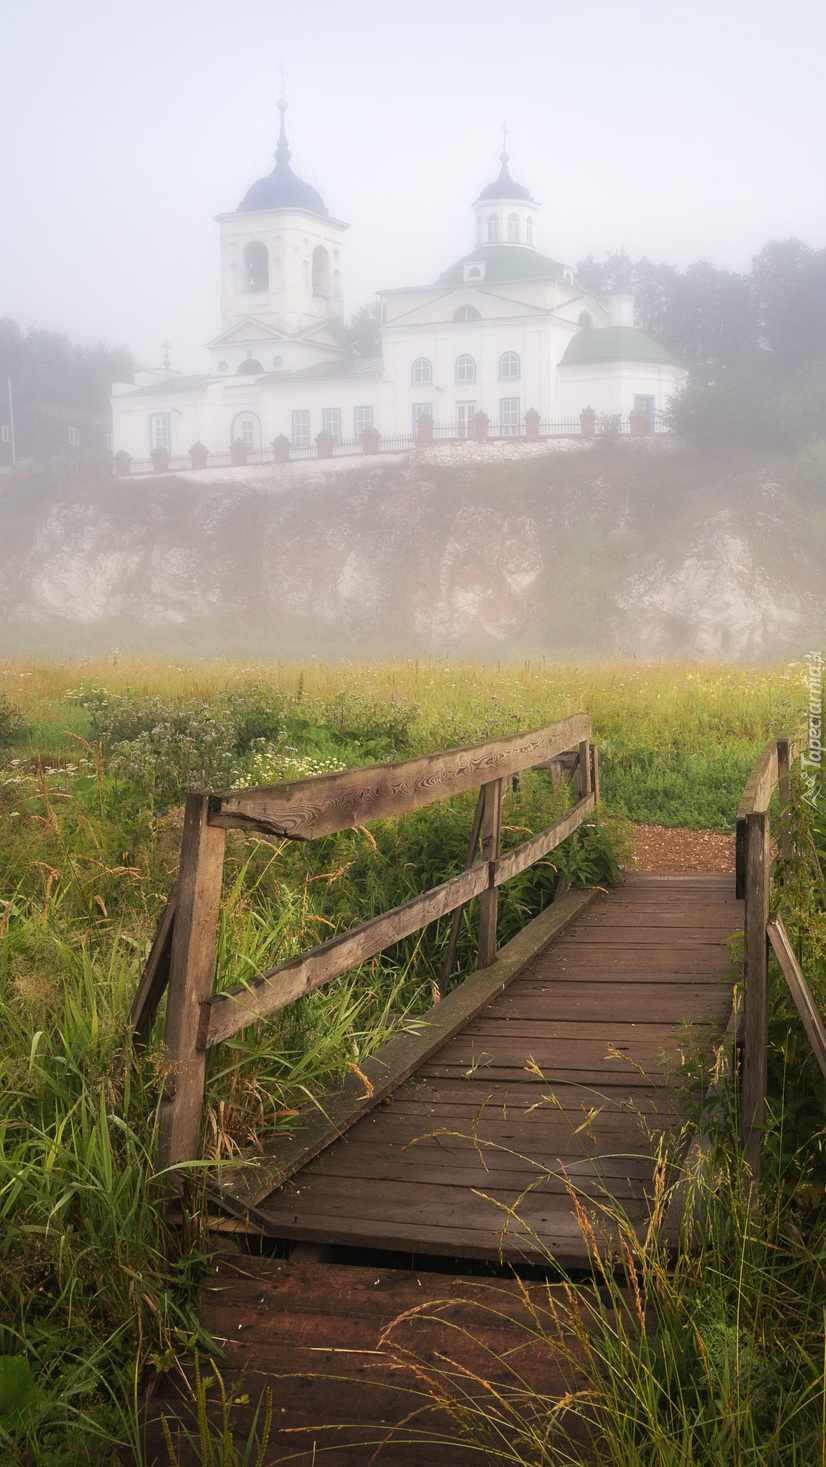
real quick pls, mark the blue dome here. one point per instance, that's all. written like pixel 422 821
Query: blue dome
pixel 282 189
pixel 505 187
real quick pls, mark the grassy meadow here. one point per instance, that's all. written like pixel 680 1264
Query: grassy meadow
pixel 95 761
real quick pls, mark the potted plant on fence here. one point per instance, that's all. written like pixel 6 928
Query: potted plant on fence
pixel 587 422
pixel 281 449
pixel 424 428
pixel 480 427
pixel 325 443
pixel 532 423
pixel 237 452
pixel 370 439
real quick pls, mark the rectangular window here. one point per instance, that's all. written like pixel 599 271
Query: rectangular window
pixel 465 413
pixel 421 410
pixel 301 429
pixel 160 431
pixel 331 423
pixel 74 437
pixel 509 424
pixel 246 431
pixel 362 418
pixel 110 442
pixel 6 433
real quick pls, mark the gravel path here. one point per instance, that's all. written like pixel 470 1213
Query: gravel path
pixel 665 849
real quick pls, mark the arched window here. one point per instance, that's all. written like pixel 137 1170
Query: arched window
pixel 421 372
pixel 478 229
pixel 514 232
pixel 467 313
pixel 510 365
pixel 249 366
pixel 256 266
pixel 585 320
pixel 465 369
pixel 247 429
pixel 321 272
pixel 493 228
pixel 529 230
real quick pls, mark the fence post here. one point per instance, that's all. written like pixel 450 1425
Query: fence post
pixel 785 791
pixel 489 900
pixel 755 1028
pixel 595 772
pixel 191 972
pixel 584 776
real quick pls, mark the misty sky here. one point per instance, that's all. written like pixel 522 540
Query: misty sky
pixel 681 131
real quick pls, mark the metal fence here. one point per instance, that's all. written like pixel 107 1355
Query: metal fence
pixel 605 426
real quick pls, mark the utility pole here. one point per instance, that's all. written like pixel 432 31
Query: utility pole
pixel 11 422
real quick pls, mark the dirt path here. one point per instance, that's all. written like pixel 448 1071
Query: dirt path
pixel 666 850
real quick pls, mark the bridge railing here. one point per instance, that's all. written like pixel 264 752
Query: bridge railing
pixel 755 871
pixel 184 951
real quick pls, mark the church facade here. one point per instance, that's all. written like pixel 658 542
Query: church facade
pixel 506 334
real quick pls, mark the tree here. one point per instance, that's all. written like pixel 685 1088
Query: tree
pixel 364 332
pixel 45 363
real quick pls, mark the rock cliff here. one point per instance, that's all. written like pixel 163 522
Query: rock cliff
pixel 600 552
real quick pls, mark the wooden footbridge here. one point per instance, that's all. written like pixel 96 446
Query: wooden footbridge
pixel 508 1126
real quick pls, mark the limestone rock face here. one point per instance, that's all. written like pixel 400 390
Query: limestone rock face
pixel 424 558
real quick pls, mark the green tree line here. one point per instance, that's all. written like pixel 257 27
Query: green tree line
pixel 754 343
pixel 45 363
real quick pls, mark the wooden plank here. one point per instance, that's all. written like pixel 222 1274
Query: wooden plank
pixel 539 845
pixel 800 991
pixel 239 1007
pixel 308 808
pixel 241 1184
pixel 191 975
pixel 489 905
pixel 559 1236
pixel 756 997
pixel 155 976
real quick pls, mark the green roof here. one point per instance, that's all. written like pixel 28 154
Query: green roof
pixel 614 344
pixel 504 262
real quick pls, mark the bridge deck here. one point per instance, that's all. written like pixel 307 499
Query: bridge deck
pixel 559 1079
pixel 471 1134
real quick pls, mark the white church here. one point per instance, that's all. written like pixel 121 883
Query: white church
pixel 506 337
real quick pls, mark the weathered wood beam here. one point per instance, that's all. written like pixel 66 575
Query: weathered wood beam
pixel 800 992
pixel 229 1012
pixel 539 845
pixel 756 1016
pixel 155 976
pixel 191 976
pixel 308 808
pixel 489 905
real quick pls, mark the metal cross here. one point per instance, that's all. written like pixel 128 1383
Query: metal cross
pixel 283 73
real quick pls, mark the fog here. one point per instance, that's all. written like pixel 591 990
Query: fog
pixel 677 131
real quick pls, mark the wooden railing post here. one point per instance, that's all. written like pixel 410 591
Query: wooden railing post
pixel 785 793
pixel 595 771
pixel 191 973
pixel 755 1030
pixel 489 900
pixel 584 769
